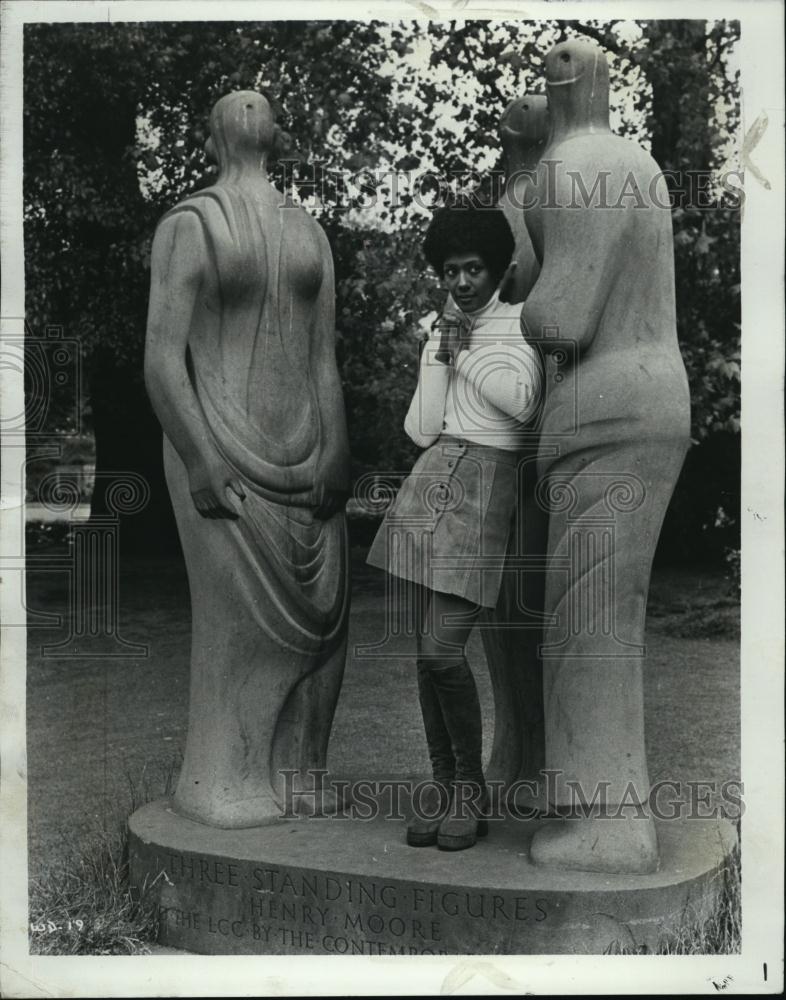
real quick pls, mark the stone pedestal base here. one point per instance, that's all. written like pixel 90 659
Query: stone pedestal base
pixel 348 887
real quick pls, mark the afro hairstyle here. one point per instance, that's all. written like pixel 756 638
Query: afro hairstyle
pixel 465 227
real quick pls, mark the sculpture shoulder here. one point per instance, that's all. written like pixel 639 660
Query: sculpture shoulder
pixel 204 208
pixel 599 151
pixel 216 207
pixel 599 171
pixel 210 228
pixel 180 241
pixel 192 218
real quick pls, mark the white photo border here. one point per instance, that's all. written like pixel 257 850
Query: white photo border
pixel 762 648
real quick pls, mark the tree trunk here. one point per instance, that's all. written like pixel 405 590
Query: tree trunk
pixel 130 480
pixel 679 74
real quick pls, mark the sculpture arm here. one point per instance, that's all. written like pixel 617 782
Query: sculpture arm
pixel 580 252
pixel 425 417
pixel 177 270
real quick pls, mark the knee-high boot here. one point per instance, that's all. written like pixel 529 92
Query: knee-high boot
pixel 431 807
pixel 454 683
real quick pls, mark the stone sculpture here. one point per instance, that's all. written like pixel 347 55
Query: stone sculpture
pixel 240 367
pixel 615 430
pixel 523 131
pixel 511 632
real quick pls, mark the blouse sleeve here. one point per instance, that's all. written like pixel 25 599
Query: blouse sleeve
pixel 426 412
pixel 507 375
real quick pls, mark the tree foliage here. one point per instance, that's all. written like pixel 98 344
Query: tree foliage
pixel 115 125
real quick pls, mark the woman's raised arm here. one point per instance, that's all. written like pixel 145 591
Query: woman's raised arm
pixel 426 413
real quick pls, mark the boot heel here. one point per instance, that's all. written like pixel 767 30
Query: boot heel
pixel 422 830
pixel 422 838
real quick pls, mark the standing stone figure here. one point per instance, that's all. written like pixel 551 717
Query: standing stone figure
pixel 523 131
pixel 240 367
pixel 618 418
pixel 511 631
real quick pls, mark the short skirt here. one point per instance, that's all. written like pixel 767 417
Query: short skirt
pixel 449 526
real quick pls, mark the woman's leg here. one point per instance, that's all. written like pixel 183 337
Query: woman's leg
pixel 442 653
pixel 440 747
pixel 443 623
pixel 431 801
pixel 447 626
pixel 447 622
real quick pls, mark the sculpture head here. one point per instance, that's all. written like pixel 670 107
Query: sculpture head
pixel 523 130
pixel 577 82
pixel 242 129
pixel 470 248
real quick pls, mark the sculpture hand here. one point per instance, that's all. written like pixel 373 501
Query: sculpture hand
pixel 208 484
pixel 333 502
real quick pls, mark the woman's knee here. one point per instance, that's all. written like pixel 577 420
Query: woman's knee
pixel 435 655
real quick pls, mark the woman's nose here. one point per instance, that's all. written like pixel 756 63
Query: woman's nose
pixel 463 279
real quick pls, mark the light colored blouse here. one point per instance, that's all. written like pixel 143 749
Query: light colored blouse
pixel 490 391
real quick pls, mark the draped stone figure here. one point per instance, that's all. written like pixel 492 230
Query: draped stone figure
pixel 615 430
pixel 240 367
pixel 512 631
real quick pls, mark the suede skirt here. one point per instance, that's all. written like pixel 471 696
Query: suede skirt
pixel 449 526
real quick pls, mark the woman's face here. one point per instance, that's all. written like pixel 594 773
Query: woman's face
pixel 468 280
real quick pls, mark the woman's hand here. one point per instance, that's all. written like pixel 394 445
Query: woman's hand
pixel 452 329
pixel 208 482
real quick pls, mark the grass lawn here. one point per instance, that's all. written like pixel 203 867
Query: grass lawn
pixel 104 734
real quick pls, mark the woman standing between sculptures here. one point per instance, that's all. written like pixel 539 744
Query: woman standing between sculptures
pixel 447 532
pixel 614 430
